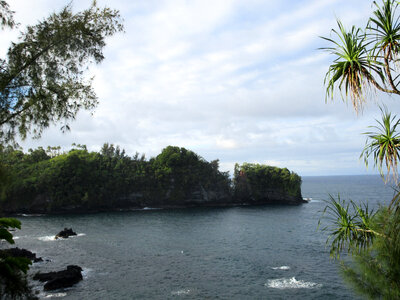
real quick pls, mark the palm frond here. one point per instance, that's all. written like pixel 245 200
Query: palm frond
pixel 383 145
pixel 352 69
pixel 349 226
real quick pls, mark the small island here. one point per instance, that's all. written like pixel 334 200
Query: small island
pixel 48 181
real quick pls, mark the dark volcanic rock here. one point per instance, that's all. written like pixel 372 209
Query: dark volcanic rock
pixel 65 233
pixel 17 252
pixel 61 279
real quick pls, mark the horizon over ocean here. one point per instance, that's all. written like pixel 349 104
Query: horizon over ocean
pixel 260 252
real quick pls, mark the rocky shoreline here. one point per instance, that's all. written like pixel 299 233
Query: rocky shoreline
pixel 152 206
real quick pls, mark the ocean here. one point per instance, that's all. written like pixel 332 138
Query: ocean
pixel 260 252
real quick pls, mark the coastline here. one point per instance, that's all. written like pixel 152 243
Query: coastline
pixel 35 213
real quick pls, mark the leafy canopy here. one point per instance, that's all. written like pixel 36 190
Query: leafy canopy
pixel 42 82
pixel 42 78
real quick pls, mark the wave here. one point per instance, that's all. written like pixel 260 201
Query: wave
pixel 85 272
pixel 181 292
pixel 50 238
pixel 150 208
pixel 291 283
pixel 281 268
pixel 30 215
pixel 55 295
pixel 47 238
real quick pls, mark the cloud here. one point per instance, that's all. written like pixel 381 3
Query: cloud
pixel 235 80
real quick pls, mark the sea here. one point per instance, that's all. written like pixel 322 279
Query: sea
pixel 249 252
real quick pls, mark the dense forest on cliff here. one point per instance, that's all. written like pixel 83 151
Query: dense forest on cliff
pixel 48 180
pixel 256 181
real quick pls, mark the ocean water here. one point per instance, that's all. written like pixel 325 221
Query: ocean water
pixel 263 252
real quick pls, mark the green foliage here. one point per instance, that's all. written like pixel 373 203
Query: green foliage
pixel 365 59
pixel 5 225
pixel 6 15
pixel 41 80
pixel 349 226
pixel 257 180
pixel 12 269
pixel 85 180
pixel 373 239
pixel 179 171
pixel 384 30
pixel 383 144
pixel 352 67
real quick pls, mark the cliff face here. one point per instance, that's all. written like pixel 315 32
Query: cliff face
pixel 197 197
pixel 271 196
pixel 262 184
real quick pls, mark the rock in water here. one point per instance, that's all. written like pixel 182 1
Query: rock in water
pixel 17 252
pixel 61 279
pixel 65 233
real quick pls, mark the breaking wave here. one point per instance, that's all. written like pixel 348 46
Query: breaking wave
pixel 281 268
pixel 56 295
pixel 291 283
pixel 181 292
pixel 47 238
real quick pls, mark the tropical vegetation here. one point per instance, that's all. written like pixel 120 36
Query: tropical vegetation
pixel 256 181
pixel 366 62
pixel 49 180
pixel 42 82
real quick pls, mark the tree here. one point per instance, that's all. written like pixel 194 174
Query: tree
pixel 6 15
pixel 42 82
pixel 365 62
pixel 42 78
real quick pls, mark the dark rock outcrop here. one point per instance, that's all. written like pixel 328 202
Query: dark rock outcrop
pixel 61 279
pixel 67 232
pixel 17 252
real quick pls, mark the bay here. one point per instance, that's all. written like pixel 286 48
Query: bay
pixel 260 252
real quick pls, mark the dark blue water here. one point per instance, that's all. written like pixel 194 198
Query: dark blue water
pixel 265 252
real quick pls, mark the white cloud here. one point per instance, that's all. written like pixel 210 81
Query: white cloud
pixel 235 80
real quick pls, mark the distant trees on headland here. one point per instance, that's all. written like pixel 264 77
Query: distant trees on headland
pixel 48 180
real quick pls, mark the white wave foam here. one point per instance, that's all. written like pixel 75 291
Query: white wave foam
pixel 47 238
pixel 281 268
pixel 30 215
pixel 150 208
pixel 292 283
pixel 56 295
pixel 85 272
pixel 181 292
pixel 50 238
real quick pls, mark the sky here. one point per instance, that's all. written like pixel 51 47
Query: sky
pixel 234 80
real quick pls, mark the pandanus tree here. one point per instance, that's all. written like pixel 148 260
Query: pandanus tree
pixel 366 62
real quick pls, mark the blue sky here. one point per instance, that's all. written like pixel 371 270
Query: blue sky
pixel 241 81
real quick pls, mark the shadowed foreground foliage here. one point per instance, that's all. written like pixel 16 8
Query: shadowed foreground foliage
pixel 372 239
